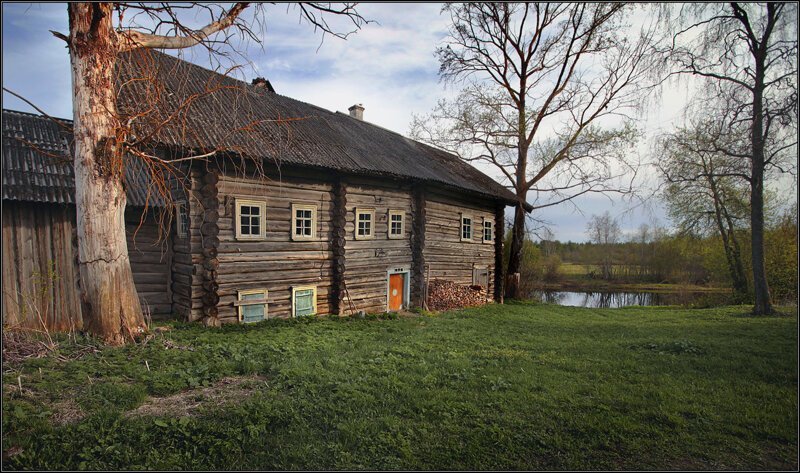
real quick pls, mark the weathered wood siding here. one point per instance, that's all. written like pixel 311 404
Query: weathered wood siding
pixel 369 260
pixel 276 263
pixel 447 256
pixel 39 267
pixel 150 253
pixel 40 273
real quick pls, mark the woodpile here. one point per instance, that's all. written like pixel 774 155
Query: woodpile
pixel 447 295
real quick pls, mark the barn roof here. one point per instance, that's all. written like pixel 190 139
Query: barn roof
pixel 37 163
pixel 212 111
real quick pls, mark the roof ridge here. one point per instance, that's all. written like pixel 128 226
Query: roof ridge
pixel 35 115
pixel 232 78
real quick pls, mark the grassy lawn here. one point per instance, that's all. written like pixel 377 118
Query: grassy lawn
pixel 519 386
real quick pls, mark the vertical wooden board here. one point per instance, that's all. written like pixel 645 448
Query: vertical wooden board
pixel 11 312
pixel 44 235
pixel 71 268
pixel 26 263
pixel 54 249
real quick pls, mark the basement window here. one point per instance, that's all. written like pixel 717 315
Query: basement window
pixel 182 219
pixel 487 231
pixel 304 300
pixel 252 305
pixel 304 221
pixel 396 223
pixel 250 215
pixel 365 224
pixel 466 228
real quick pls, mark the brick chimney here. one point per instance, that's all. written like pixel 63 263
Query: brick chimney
pixel 261 83
pixel 357 111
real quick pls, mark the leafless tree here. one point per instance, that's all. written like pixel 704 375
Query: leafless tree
pixel 746 54
pixel 707 190
pixel 98 34
pixel 549 90
pixel 603 230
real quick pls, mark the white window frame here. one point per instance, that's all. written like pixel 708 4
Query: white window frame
pixel 371 235
pixel 314 209
pixel 294 296
pixel 262 205
pixel 241 303
pixel 402 215
pixel 491 230
pixel 471 227
pixel 181 208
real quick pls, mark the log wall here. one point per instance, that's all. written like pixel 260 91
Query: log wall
pixel 275 263
pixel 447 256
pixel 150 253
pixel 369 260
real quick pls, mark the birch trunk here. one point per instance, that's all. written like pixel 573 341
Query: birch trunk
pixel 110 304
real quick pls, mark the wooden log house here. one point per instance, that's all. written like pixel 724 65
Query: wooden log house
pixel 299 210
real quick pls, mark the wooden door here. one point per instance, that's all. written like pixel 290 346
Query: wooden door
pixel 396 287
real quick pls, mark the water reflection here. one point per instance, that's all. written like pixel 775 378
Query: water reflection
pixel 623 299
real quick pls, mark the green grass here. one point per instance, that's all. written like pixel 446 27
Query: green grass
pixel 519 386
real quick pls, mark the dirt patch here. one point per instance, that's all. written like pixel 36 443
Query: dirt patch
pixel 187 403
pixel 66 412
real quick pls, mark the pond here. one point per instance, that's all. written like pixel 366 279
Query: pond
pixel 622 299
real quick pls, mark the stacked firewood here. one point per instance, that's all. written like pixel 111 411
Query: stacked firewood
pixel 447 295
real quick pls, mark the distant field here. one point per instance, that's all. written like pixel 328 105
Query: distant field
pixel 572 269
pixel 519 386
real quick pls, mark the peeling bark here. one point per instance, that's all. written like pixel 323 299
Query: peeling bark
pixel 110 303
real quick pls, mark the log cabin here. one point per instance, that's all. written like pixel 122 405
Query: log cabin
pixel 287 209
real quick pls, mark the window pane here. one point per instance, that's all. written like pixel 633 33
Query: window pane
pixel 253 313
pixel 304 302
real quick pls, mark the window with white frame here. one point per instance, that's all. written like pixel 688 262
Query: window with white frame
pixel 304 221
pixel 396 223
pixel 252 305
pixel 182 219
pixel 365 224
pixel 250 216
pixel 487 231
pixel 466 227
pixel 304 300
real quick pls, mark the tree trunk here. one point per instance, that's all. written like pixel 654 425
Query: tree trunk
pixel 515 257
pixel 732 254
pixel 763 304
pixel 110 304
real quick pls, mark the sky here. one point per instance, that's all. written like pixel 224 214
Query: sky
pixel 388 66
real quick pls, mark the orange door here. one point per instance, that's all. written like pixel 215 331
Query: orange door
pixel 396 286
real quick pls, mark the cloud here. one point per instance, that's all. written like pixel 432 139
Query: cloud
pixel 389 66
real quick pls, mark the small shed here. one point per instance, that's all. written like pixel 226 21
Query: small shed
pixel 40 273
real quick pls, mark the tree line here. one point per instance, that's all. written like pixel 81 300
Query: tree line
pixel 653 254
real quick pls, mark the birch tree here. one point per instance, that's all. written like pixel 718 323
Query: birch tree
pixel 97 35
pixel 547 100
pixel 746 53
pixel 706 190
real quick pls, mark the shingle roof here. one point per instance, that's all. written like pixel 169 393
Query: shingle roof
pixel 37 166
pixel 214 111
